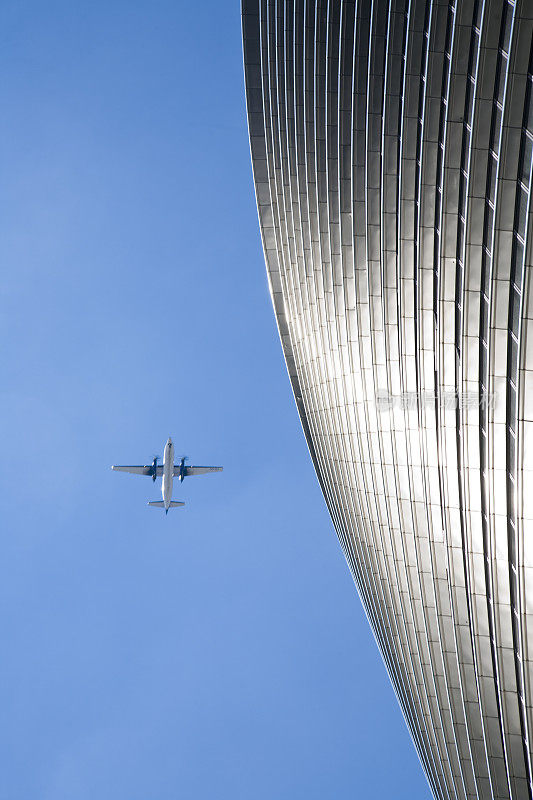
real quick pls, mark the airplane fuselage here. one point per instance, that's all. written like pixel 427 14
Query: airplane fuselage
pixel 168 473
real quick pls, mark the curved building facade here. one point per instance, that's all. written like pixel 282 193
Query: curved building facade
pixel 392 146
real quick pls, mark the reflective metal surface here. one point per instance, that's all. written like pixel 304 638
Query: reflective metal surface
pixel 392 151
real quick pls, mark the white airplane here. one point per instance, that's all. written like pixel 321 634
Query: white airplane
pixel 169 471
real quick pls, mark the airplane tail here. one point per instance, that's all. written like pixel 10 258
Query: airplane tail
pixel 160 504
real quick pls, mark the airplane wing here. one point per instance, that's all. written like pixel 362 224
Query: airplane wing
pixel 142 470
pixel 196 470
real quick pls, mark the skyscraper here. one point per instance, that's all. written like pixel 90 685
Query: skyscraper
pixel 392 144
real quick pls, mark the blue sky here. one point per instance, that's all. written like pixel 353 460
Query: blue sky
pixel 222 651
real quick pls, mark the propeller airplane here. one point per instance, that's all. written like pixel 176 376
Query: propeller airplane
pixel 168 471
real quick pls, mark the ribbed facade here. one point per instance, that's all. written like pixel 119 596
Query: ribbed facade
pixel 392 154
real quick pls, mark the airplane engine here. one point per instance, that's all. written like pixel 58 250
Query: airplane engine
pixel 154 469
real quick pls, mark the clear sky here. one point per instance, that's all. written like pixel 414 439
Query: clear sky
pixel 222 651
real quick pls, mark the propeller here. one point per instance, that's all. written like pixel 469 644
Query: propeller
pixel 154 467
pixel 182 461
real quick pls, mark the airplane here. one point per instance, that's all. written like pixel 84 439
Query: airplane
pixel 169 471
